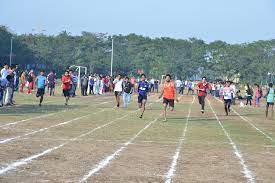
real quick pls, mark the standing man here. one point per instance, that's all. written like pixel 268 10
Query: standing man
pixel 202 92
pixel 270 99
pixel 189 86
pixel 84 85
pixel 41 81
pixel 13 73
pixel 91 84
pixel 9 90
pixel 118 89
pixel 152 82
pixel 30 79
pixel 178 85
pixel 127 91
pixel 66 86
pixel 4 73
pixel 1 90
pixel 143 89
pixel 169 94
pixel 51 83
pixel 74 80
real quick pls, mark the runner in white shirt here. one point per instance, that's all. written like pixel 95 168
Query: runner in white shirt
pixel 227 96
pixel 118 89
pixel 178 85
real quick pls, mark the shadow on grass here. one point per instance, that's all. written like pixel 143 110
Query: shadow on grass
pixel 28 109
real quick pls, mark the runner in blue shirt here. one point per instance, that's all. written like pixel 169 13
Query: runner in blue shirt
pixel 143 89
pixel 41 81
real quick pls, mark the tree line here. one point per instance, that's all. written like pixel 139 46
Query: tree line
pixel 184 58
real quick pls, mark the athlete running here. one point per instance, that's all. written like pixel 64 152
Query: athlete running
pixel 118 89
pixel 227 97
pixel 143 89
pixel 66 86
pixel 202 92
pixel 169 94
pixel 41 81
pixel 270 99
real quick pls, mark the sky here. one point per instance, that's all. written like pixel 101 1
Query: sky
pixel 233 21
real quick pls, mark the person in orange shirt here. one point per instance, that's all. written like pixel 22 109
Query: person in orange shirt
pixel 169 94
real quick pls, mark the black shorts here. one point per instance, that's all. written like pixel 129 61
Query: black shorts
pixel 51 85
pixel 269 103
pixel 170 102
pixel 141 98
pixel 117 93
pixel 227 101
pixel 40 92
pixel 66 93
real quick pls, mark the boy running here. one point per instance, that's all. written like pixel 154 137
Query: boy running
pixel 227 97
pixel 41 81
pixel 143 89
pixel 118 89
pixel 128 89
pixel 202 92
pixel 270 98
pixel 66 86
pixel 169 94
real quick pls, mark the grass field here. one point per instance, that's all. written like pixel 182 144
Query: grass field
pixel 91 141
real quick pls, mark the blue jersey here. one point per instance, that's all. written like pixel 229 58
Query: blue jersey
pixel 41 80
pixel 143 88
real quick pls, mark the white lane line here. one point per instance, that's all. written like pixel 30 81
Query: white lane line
pixel 38 117
pixel 251 124
pixel 25 161
pixel 16 164
pixel 247 173
pixel 4 141
pixel 255 127
pixel 104 162
pixel 173 166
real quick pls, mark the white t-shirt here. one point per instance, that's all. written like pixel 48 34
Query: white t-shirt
pixel 227 92
pixel 178 83
pixel 118 85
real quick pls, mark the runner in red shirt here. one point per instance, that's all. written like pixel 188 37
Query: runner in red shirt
pixel 202 92
pixel 66 86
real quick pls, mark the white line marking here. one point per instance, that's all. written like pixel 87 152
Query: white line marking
pixel 251 124
pixel 255 127
pixel 104 162
pixel 14 165
pixel 25 161
pixel 38 117
pixel 47 128
pixel 247 173
pixel 173 166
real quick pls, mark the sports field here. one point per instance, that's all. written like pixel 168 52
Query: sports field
pixel 91 141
